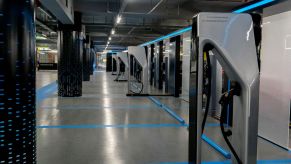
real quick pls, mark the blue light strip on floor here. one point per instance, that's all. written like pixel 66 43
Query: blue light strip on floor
pixel 115 96
pixel 275 161
pixel 109 126
pixel 280 161
pixel 212 124
pixel 96 107
pixel 216 147
pixel 210 162
pixel 44 92
pixel 168 110
pixel 182 121
pixel 116 126
pixel 179 32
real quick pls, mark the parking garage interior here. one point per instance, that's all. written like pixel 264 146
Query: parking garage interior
pixel 145 81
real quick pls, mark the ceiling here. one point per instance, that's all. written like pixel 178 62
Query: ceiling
pixel 142 20
pixel 46 29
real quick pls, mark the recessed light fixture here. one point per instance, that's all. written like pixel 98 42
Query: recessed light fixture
pixel 113 32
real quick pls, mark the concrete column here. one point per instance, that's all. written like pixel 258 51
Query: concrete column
pixel 70 45
pixel 17 82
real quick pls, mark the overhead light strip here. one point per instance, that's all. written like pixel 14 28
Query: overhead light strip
pixel 253 6
pixel 176 33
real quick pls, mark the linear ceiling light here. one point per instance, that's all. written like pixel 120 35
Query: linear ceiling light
pixel 40 38
pixel 112 31
pixel 253 6
pixel 176 33
pixel 118 19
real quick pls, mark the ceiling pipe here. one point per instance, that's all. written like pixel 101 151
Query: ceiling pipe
pixel 154 8
pixel 38 22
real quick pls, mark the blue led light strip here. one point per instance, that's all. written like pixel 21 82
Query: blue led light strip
pixel 253 6
pixel 176 33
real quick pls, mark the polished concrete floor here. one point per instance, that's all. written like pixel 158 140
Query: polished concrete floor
pixel 106 127
pixel 46 77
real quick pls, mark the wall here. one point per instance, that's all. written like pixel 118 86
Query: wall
pixel 275 88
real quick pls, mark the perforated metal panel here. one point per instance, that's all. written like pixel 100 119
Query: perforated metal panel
pixel 17 82
pixel 70 64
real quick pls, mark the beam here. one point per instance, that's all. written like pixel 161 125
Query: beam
pixel 59 10
pixel 134 25
pixel 40 23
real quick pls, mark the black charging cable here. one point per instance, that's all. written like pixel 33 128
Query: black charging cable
pixel 225 100
pixel 137 77
pixel 207 89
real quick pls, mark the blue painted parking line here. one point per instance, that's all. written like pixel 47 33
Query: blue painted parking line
pixel 204 137
pixel 275 161
pixel 168 110
pixel 212 125
pixel 208 162
pixel 109 126
pixel 96 107
pixel 280 161
pixel 46 91
pixel 101 95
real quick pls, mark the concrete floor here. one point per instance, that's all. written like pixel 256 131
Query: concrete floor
pixel 106 127
pixel 44 78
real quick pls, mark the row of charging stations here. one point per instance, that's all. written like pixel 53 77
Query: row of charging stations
pixel 165 71
pixel 211 49
pixel 220 72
